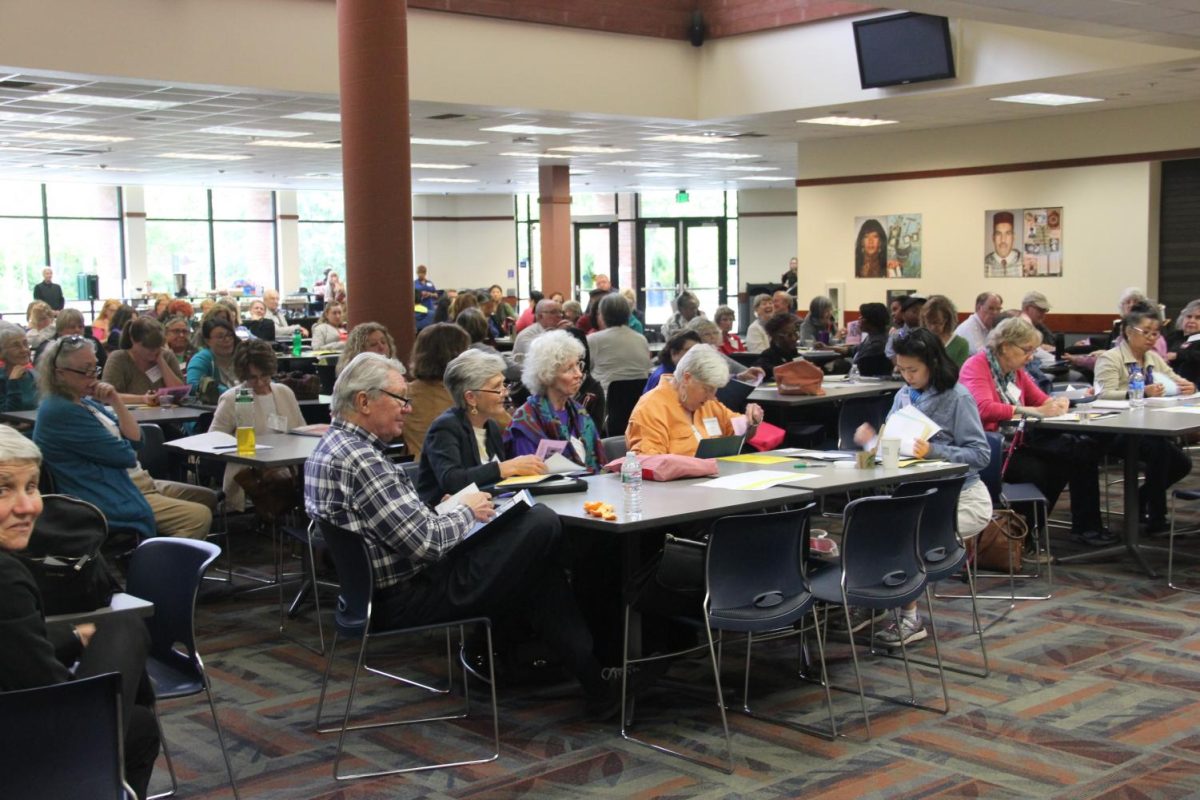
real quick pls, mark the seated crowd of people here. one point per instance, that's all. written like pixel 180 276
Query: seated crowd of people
pixel 471 415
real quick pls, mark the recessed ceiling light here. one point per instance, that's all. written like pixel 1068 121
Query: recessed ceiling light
pixel 765 178
pixel 203 156
pixel 532 154
pixel 299 145
pixel 440 166
pixel 1047 99
pixel 667 175
pixel 49 119
pixel 315 116
pixel 445 142
pixel 689 138
pixel 63 136
pixel 447 180
pixel 535 130
pixel 849 122
pixel 76 99
pixel 646 164
pixel 116 169
pixel 4 148
pixel 227 130
pixel 583 148
pixel 745 168
pixel 726 156
pixel 582 171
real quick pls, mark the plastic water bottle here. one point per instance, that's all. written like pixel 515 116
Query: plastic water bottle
pixel 1137 387
pixel 853 376
pixel 296 343
pixel 243 412
pixel 631 483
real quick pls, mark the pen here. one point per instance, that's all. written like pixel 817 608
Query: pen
pixel 809 466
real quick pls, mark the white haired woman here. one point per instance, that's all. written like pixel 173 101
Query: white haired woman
pixel 35 653
pixel 465 444
pixel 553 372
pixel 683 408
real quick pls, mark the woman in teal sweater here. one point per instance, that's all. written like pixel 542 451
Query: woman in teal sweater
pixel 18 383
pixel 215 360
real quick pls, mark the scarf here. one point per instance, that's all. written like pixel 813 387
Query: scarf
pixel 538 418
pixel 1000 378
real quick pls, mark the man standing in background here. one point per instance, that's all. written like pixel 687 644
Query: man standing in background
pixel 48 291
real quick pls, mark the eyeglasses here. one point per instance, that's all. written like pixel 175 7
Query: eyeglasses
pixel 401 399
pixel 501 390
pixel 70 344
pixel 1147 334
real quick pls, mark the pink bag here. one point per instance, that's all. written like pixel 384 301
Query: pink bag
pixel 767 437
pixel 668 467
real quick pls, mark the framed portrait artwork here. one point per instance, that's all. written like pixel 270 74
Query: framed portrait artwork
pixel 887 246
pixel 1023 243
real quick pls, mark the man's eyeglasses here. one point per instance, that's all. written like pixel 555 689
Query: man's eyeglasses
pixel 401 399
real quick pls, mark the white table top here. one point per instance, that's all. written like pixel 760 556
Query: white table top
pixel 835 391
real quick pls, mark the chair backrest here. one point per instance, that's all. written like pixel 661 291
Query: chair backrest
pixel 614 447
pixel 622 396
pixel 63 740
pixel 939 518
pixel 153 453
pixel 879 546
pixel 168 571
pixel 753 555
pixel 355 576
pixel 327 373
pixel 262 328
pixel 410 468
pixel 990 475
pixel 857 410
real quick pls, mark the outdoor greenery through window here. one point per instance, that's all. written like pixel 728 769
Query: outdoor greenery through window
pixel 73 227
pixel 322 234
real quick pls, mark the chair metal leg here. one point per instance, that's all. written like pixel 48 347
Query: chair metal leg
pixel 162 738
pixel 220 736
pixel 1171 557
pixel 862 695
pixel 824 681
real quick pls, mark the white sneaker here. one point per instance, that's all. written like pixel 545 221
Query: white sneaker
pixel 910 630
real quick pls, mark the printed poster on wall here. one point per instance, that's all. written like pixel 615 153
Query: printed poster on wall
pixel 888 246
pixel 1023 242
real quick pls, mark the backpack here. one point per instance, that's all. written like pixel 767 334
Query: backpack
pixel 64 556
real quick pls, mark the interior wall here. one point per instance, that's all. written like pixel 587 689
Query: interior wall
pixel 1106 234
pixel 467 241
pixel 766 235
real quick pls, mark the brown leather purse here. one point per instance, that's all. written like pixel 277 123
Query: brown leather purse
pixel 799 377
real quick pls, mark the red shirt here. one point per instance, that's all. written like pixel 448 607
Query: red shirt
pixel 732 343
pixel 524 321
pixel 976 376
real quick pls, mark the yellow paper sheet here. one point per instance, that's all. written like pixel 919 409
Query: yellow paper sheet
pixel 521 480
pixel 756 458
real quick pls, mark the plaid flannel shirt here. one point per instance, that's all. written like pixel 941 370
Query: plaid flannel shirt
pixel 350 482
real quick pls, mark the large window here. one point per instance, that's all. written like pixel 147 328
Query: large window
pixel 322 235
pixel 75 228
pixel 218 238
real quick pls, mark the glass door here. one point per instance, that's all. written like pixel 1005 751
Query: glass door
pixel 595 254
pixel 678 254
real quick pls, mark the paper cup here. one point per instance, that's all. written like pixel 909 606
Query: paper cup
pixel 889 453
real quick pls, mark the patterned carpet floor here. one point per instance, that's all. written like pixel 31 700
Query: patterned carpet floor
pixel 1094 693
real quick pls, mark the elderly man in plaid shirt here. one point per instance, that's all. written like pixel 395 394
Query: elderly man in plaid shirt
pixel 425 569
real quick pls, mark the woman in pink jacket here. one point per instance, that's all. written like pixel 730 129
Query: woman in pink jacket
pixel 996 377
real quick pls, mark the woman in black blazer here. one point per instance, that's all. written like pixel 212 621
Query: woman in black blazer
pixel 465 444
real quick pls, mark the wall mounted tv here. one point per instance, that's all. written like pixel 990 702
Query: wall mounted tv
pixel 903 48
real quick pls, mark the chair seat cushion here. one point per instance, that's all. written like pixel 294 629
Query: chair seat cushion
pixel 758 618
pixel 1022 493
pixel 174 680
pixel 1187 494
pixel 827 587
pixel 948 566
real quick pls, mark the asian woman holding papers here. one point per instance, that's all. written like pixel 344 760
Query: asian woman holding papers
pixel 996 378
pixel 932 389
pixel 465 444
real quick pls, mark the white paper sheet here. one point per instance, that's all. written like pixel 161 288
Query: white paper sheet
pixel 450 503
pixel 909 424
pixel 755 480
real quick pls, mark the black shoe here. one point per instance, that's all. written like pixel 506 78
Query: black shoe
pixel 1097 538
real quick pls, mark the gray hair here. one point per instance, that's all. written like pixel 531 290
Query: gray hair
pixel 1016 331
pixel 724 311
pixel 549 353
pixel 366 373
pixel 706 329
pixel 573 306
pixel 1190 308
pixel 759 299
pixel 469 371
pixel 9 337
pixel 49 382
pixel 705 364
pixel 819 306
pixel 614 310
pixel 1132 294
pixel 15 447
pixel 686 299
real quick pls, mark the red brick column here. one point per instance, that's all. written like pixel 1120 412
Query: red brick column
pixel 554 204
pixel 376 164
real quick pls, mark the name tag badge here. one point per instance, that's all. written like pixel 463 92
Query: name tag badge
pixel 1014 393
pixel 277 423
pixel 154 374
pixel 577 446
pixel 711 426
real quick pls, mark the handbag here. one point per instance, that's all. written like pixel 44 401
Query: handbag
pixel 63 555
pixel 1002 539
pixel 306 386
pixel 766 437
pixel 669 467
pixel 673 583
pixel 799 377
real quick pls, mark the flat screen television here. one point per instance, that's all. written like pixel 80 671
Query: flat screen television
pixel 903 48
